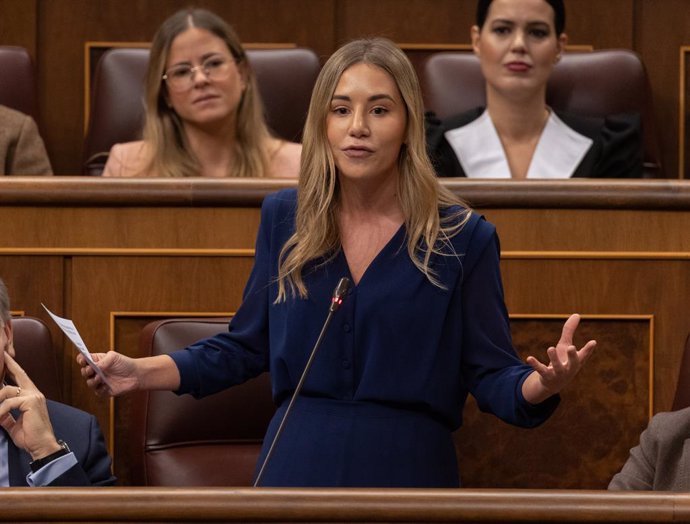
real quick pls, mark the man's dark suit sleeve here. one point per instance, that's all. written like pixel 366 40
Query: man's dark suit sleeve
pixel 93 466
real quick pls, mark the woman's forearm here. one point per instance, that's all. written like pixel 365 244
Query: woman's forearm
pixel 158 373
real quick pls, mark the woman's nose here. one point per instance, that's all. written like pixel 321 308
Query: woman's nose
pixel 358 124
pixel 518 44
pixel 199 75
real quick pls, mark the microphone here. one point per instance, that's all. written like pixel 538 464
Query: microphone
pixel 339 294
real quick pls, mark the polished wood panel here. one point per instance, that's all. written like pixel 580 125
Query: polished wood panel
pixel 40 280
pixel 657 23
pixel 613 392
pixel 589 22
pixel 331 505
pixel 114 254
pixel 18 24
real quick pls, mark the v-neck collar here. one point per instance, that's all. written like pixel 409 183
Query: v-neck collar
pixel 480 152
pixel 392 244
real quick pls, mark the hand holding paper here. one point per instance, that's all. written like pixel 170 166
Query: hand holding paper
pixel 69 329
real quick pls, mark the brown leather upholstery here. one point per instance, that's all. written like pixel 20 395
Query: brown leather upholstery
pixel 596 83
pixel 35 354
pixel 117 104
pixel 18 87
pixel 214 441
pixel 285 78
pixel 682 398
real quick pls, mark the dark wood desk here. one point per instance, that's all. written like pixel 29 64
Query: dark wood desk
pixel 115 254
pixel 312 505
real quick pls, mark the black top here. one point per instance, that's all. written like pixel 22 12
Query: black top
pixel 616 151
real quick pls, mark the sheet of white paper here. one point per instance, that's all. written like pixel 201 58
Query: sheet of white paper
pixel 69 329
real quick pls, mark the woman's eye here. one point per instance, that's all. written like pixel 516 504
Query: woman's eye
pixel 539 33
pixel 214 63
pixel 379 111
pixel 501 30
pixel 339 110
pixel 181 72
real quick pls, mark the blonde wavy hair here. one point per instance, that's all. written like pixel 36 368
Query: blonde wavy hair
pixel 163 128
pixel 421 196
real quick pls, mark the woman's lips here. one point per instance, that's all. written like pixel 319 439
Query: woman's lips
pixel 357 152
pixel 518 67
pixel 205 98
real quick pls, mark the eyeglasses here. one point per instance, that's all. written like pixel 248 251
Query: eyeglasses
pixel 181 77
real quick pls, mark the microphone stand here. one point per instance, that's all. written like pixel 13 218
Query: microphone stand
pixel 336 300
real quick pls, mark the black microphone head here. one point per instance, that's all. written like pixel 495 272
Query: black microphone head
pixel 339 293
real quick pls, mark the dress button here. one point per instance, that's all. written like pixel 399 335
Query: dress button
pixel 346 364
pixel 347 328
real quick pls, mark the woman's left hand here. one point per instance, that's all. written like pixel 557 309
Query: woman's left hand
pixel 565 360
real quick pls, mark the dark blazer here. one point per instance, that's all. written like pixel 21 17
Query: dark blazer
pixel 615 153
pixel 661 461
pixel 82 434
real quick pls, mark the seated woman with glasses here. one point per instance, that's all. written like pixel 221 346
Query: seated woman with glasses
pixel 204 115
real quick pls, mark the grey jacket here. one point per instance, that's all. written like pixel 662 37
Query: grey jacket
pixel 661 461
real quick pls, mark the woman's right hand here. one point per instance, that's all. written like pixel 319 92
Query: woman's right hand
pixel 120 371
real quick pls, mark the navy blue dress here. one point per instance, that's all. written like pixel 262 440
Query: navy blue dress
pixel 387 387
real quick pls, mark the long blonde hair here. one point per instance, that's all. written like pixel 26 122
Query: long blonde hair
pixel 164 134
pixel 421 196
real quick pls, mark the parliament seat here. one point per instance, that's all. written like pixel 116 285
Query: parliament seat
pixel 18 88
pixel 35 354
pixel 596 83
pixel 181 441
pixel 285 78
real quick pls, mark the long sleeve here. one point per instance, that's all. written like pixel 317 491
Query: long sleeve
pixel 83 435
pixel 241 353
pixel 93 467
pixel 492 370
pixel 639 470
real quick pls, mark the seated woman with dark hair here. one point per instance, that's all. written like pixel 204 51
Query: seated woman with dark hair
pixel 517 135
pixel 204 115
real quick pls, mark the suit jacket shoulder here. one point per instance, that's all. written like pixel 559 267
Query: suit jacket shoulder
pixel 661 461
pixel 442 156
pixel 22 151
pixel 617 150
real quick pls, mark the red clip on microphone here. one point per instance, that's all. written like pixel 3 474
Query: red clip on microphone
pixel 339 294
